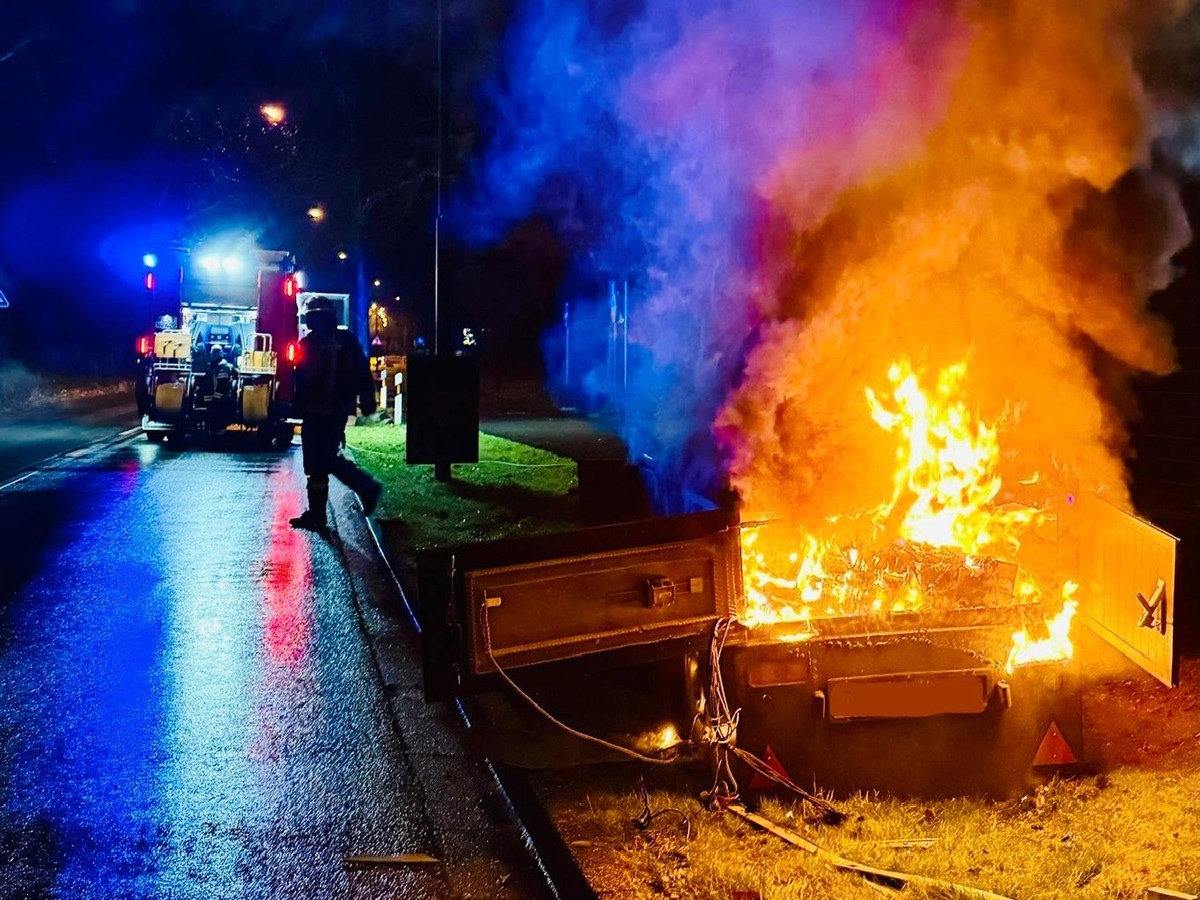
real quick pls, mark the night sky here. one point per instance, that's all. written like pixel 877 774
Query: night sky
pixel 593 151
pixel 129 126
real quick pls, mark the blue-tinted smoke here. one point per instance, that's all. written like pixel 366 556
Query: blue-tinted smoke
pixel 645 142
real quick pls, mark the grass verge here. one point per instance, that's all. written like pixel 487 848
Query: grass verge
pixel 1107 836
pixel 1099 837
pixel 514 490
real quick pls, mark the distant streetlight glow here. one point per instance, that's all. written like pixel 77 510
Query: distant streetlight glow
pixel 316 213
pixel 377 282
pixel 274 113
pixel 342 254
pixel 149 260
pixel 378 320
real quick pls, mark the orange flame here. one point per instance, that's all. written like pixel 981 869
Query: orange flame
pixel 940 540
pixel 946 472
pixel 1057 645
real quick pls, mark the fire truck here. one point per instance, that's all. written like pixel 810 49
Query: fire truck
pixel 227 359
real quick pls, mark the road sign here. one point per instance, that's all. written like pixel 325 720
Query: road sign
pixel 376 341
pixel 3 301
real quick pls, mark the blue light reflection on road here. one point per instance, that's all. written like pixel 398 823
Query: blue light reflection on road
pixel 186 707
pixel 80 673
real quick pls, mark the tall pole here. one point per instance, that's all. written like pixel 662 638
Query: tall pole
pixel 437 222
pixel 625 339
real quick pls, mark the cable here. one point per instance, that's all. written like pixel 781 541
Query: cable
pixel 646 818
pixel 721 723
pixel 633 754
pixel 830 813
pixel 721 731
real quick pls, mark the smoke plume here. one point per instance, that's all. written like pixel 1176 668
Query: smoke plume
pixel 801 194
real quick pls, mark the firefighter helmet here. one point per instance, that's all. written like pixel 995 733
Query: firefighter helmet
pixel 319 304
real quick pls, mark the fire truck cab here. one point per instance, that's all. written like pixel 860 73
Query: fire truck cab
pixel 228 359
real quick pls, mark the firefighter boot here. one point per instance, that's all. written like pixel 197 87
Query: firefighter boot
pixel 367 488
pixel 313 518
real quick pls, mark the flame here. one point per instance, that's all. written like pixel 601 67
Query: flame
pixel 1057 645
pixel 662 738
pixel 945 476
pixel 940 540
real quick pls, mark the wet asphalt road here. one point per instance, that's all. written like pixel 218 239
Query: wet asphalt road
pixel 188 706
pixel 30 436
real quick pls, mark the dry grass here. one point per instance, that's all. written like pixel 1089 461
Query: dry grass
pixel 1101 837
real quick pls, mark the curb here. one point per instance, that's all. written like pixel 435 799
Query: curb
pixel 549 852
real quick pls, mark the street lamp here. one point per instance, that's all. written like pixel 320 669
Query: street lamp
pixel 274 113
pixel 316 213
pixel 377 282
pixel 342 254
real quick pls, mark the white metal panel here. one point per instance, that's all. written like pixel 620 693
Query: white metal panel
pixel 1122 556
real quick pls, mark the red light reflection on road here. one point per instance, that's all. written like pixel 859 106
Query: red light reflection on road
pixel 287 576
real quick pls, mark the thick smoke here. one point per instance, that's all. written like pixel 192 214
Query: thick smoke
pixel 1024 238
pixel 803 193
pixel 653 143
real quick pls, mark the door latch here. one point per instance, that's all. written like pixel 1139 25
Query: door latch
pixel 1154 610
pixel 660 592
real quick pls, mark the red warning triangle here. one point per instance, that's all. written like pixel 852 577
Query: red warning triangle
pixel 1054 749
pixel 761 782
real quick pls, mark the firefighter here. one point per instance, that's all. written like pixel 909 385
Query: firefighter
pixel 332 377
pixel 221 377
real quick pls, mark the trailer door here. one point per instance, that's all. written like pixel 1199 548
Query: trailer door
pixel 524 602
pixel 1127 584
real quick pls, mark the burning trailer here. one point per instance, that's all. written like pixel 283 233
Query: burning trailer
pixel 893 271
pixel 925 645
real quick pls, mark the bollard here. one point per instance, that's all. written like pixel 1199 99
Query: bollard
pixel 399 399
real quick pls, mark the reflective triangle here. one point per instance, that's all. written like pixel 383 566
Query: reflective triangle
pixel 1054 749
pixel 761 782
pixel 3 301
